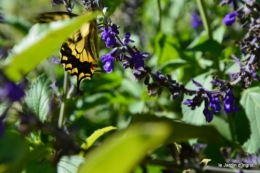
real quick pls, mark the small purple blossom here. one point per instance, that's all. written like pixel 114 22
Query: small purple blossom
pixel 195 20
pixel 9 90
pixel 207 113
pixel 229 103
pixel 1 18
pixel 192 103
pixel 12 92
pixel 108 35
pixel 108 60
pixel 214 103
pixel 137 59
pixel 230 18
pixel 56 60
pixel 127 39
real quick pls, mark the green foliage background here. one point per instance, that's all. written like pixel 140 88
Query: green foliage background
pixel 143 123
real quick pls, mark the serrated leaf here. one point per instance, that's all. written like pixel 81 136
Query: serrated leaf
pixel 40 43
pixel 251 103
pixel 38 97
pixel 90 140
pixel 69 164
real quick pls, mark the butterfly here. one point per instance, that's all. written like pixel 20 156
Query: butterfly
pixel 79 54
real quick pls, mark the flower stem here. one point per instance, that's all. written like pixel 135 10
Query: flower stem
pixel 160 14
pixel 64 100
pixel 207 27
pixel 205 18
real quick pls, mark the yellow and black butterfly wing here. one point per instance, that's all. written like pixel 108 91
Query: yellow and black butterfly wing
pixel 79 54
pixel 54 16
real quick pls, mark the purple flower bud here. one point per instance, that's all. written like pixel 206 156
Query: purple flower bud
pixel 195 20
pixel 108 60
pixel 56 60
pixel 207 113
pixel 230 18
pixel 108 35
pixel 127 39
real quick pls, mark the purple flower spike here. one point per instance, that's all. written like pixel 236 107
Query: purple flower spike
pixel 230 18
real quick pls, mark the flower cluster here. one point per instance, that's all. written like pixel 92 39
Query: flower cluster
pixel 132 58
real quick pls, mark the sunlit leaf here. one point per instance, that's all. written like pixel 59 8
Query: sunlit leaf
pixel 38 97
pixel 126 148
pixel 90 140
pixel 69 164
pixel 251 103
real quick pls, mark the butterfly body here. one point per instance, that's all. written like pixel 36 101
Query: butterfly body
pixel 79 54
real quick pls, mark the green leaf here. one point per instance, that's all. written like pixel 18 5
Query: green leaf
pixel 219 33
pixel 13 149
pixel 40 43
pixel 181 131
pixel 90 140
pixel 18 23
pixel 242 126
pixel 172 65
pixel 126 148
pixel 136 107
pixel 38 97
pixel 69 164
pixel 150 169
pixel 198 40
pixel 40 167
pixel 113 5
pixel 222 126
pixel 211 46
pixel 167 48
pixel 251 103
